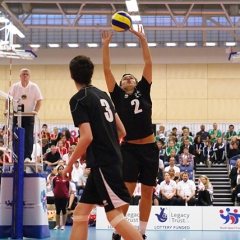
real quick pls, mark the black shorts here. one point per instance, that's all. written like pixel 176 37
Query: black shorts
pixel 105 187
pixel 140 163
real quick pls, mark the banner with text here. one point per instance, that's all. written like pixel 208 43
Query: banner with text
pixel 161 218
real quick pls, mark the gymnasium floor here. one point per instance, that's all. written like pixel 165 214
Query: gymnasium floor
pixel 152 235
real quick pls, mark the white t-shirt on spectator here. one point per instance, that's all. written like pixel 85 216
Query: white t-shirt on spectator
pixel 176 169
pixel 168 188
pixel 76 174
pixel 186 188
pixel 161 165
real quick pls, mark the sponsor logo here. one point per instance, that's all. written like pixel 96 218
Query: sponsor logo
pixel 162 216
pixel 105 203
pixel 228 216
pixel 9 203
pixel 43 199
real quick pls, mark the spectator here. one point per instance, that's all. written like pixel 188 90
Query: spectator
pixel 172 165
pixel 186 159
pixel 219 151
pixel 66 157
pixel 69 138
pixel 187 145
pixel 228 135
pixel 205 191
pixel 202 133
pixel 215 133
pixel 30 97
pixel 174 132
pixel 174 155
pixel 237 192
pixel 208 153
pixel 168 191
pixel 161 150
pixel 186 191
pixel 234 177
pixel 170 147
pixel 198 146
pixel 54 135
pixel 77 172
pixel 61 149
pixel 49 190
pixel 136 195
pixel 61 193
pixel 233 150
pixel 52 158
pixel 65 142
pixel 161 130
pixel 44 133
pixel 186 135
pixel 173 176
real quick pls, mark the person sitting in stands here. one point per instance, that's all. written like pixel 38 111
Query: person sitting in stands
pixel 219 151
pixel 205 191
pixel 233 150
pixel 172 165
pixel 186 191
pixel 208 153
pixel 186 159
pixel 198 146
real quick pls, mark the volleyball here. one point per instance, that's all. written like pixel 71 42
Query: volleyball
pixel 121 21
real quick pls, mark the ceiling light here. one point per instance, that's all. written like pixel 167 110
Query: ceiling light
pixel 92 45
pixel 230 44
pixel 131 44
pixel 152 44
pixel 73 45
pixel 54 45
pixel 113 45
pixel 211 44
pixel 35 45
pixel 191 44
pixel 136 18
pixel 171 44
pixel 132 6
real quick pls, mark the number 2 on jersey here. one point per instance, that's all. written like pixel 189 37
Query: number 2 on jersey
pixel 136 103
pixel 108 114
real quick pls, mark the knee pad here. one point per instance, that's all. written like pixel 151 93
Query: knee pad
pixel 81 218
pixel 117 220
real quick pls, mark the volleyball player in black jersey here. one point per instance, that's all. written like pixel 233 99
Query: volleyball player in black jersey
pixel 134 106
pixel 90 109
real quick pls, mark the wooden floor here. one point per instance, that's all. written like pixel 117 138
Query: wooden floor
pixel 151 235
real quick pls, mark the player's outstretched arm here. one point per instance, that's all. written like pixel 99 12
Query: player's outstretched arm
pixel 110 80
pixel 147 70
pixel 83 143
pixel 120 128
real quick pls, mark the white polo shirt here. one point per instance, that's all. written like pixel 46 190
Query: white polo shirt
pixel 186 188
pixel 176 169
pixel 28 95
pixel 168 188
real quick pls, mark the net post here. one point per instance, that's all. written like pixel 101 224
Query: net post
pixel 18 185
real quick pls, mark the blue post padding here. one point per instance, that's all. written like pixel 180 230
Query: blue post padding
pixel 18 185
pixel 36 231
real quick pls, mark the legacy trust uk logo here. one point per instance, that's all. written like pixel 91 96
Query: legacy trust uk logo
pixel 162 216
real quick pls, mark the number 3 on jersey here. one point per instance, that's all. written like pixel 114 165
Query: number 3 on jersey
pixel 136 103
pixel 108 114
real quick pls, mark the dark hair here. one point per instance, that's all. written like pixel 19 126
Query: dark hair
pixel 120 83
pixel 231 126
pixel 44 125
pixel 81 69
pixel 67 134
pixel 60 167
pixel 174 128
pixel 196 138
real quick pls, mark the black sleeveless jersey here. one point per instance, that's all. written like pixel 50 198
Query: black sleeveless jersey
pixel 93 106
pixel 135 110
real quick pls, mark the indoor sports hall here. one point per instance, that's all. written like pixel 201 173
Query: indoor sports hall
pixel 195 53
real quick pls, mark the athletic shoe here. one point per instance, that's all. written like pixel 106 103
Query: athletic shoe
pixel 116 236
pixel 63 228
pixel 144 236
pixel 56 228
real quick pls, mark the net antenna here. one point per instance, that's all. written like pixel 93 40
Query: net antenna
pixel 7 48
pixel 233 56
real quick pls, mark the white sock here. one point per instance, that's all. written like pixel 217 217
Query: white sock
pixel 142 227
